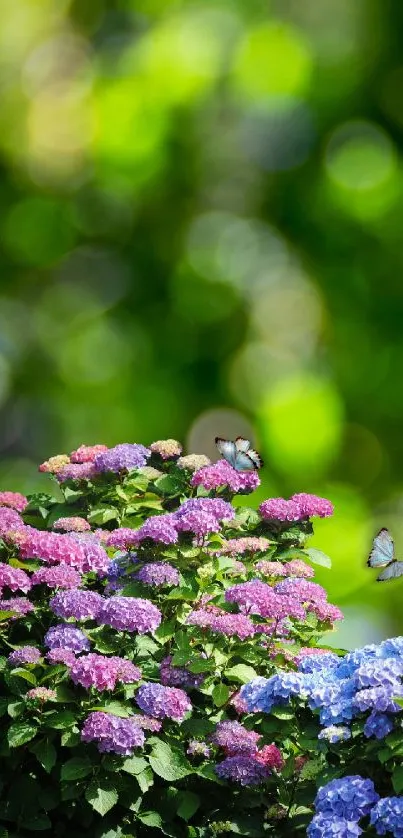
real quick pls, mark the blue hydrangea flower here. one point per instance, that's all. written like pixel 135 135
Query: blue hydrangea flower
pixel 393 647
pixel 263 694
pixel 326 826
pixel 335 733
pixel 349 797
pixel 319 663
pixel 387 816
pixel 378 672
pixel 378 698
pixel 378 725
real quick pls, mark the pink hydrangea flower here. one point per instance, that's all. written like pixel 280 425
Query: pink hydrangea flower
pixel 278 509
pixel 59 576
pixel 73 524
pixel 59 655
pixel 221 474
pixel 248 544
pixel 312 505
pixel 10 521
pixel 294 568
pixel 271 757
pixel 87 453
pixel 14 500
pixel 122 538
pixel 13 578
pixel 103 673
pixel 41 694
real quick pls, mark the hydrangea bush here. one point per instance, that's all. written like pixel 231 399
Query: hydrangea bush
pixel 164 669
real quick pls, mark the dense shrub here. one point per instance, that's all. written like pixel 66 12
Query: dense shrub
pixel 135 604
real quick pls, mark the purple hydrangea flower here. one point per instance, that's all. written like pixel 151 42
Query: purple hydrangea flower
pixel 158 573
pixel 58 576
pixel 231 625
pixel 242 769
pixel 10 520
pixel 13 578
pixel 349 797
pixel 163 702
pixel 218 508
pixel 112 734
pixel 175 676
pixel 378 698
pixel 378 725
pixel 199 523
pixel 335 733
pixel 123 538
pixel 278 509
pixel 122 457
pixel 20 604
pixel 27 654
pixel 301 588
pixel 331 826
pixel 387 816
pixel 75 471
pixel 222 473
pixel 66 637
pixel 159 528
pixel 235 739
pixel 58 655
pixel 103 673
pixel 257 597
pixel 379 672
pixel 129 614
pixel 78 604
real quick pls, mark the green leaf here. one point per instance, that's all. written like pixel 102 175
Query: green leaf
pixel 200 665
pixel 241 672
pixel 117 708
pixel 318 557
pixel 188 804
pixel 102 514
pixel 38 823
pixel 397 779
pixel 45 753
pixel 5 615
pixel 19 733
pixel 134 765
pixel 398 701
pixel 220 694
pixel 169 763
pixel 165 631
pixel 168 485
pixel 4 705
pixel 102 795
pixel 76 768
pixel 282 713
pixel 61 719
pixel 311 769
pixel 150 819
pixel 145 779
pixel 70 738
pixel 24 674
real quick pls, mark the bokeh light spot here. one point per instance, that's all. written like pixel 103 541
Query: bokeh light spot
pixel 301 423
pixel 272 58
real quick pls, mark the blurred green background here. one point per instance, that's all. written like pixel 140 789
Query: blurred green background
pixel 201 214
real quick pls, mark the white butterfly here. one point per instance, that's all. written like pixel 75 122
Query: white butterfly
pixel 239 454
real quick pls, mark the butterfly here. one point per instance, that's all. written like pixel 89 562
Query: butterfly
pixel 239 454
pixel 383 555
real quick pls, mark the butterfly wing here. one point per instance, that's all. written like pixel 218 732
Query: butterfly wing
pixel 392 571
pixel 243 462
pixel 242 444
pixel 383 549
pixel 227 449
pixel 255 457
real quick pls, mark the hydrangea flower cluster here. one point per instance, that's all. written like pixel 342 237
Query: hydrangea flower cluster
pixel 223 474
pixel 297 508
pixel 112 734
pixel 55 548
pixel 103 673
pixel 296 568
pixel 193 462
pixel 341 689
pixel 163 702
pixel 14 500
pixel 27 654
pixel 13 578
pixel 129 614
pixel 247 544
pixel 124 457
pixel 387 816
pixel 176 676
pixel 67 638
pixel 81 605
pixel 58 576
pixel 21 605
pixel 158 574
pixel 87 453
pixel 41 694
pixel 73 524
pixel 166 448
